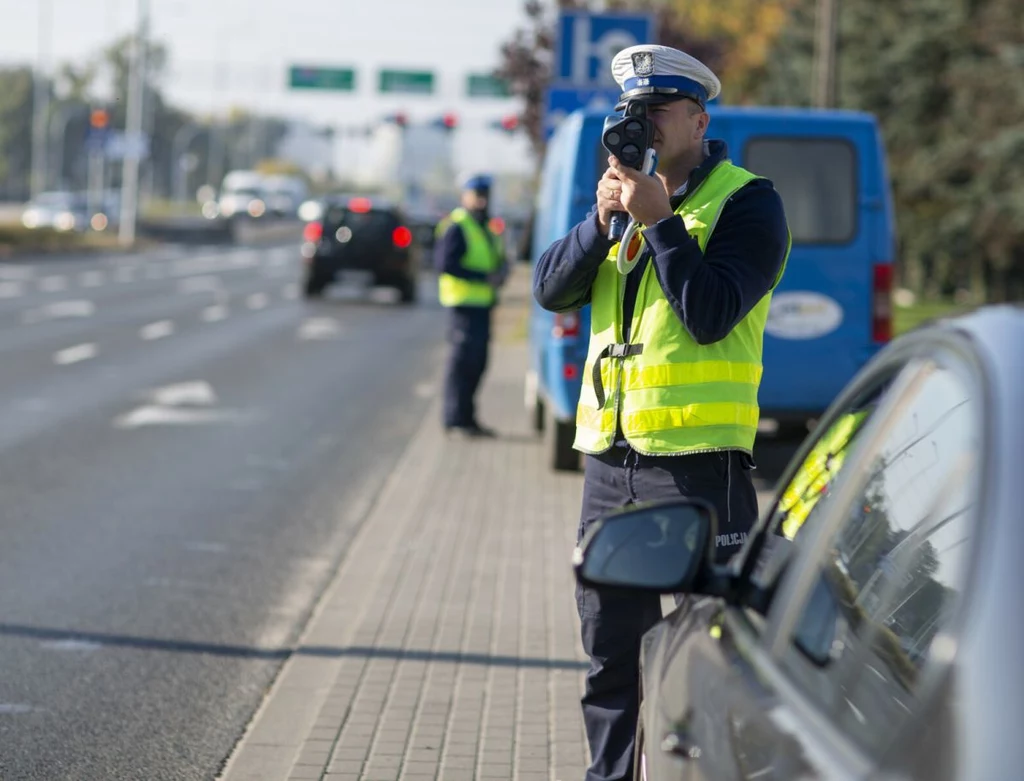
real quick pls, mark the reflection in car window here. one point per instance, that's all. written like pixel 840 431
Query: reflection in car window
pixel 895 569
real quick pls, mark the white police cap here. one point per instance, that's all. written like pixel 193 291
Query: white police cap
pixel 663 73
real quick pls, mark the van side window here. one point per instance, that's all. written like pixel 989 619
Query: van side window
pixel 817 180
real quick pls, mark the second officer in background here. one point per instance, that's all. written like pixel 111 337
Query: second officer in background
pixel 471 264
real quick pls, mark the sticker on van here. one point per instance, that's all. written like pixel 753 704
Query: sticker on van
pixel 803 315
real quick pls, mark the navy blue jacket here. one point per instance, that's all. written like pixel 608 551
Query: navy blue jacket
pixel 710 292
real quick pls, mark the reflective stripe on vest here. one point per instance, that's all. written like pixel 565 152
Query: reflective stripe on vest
pixel 482 255
pixel 667 393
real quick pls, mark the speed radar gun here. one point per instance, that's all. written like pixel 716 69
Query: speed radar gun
pixel 630 137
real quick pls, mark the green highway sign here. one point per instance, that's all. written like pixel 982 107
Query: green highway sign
pixel 415 82
pixel 481 85
pixel 314 77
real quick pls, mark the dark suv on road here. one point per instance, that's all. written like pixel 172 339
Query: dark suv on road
pixel 359 234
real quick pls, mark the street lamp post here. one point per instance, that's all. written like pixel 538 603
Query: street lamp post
pixel 179 146
pixel 133 131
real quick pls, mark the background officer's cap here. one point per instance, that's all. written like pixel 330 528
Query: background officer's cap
pixel 481 183
pixel 660 73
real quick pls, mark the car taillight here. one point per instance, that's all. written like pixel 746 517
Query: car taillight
pixel 566 325
pixel 360 205
pixel 401 237
pixel 312 232
pixel 881 302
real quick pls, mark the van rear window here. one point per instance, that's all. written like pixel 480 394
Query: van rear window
pixel 817 180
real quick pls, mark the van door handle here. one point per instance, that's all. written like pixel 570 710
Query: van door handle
pixel 680 744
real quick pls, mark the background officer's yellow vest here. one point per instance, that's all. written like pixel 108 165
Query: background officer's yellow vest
pixel 482 255
pixel 669 394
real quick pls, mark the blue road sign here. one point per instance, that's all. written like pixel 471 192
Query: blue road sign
pixel 561 101
pixel 587 42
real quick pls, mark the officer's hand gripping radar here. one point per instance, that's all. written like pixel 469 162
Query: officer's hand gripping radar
pixel 631 139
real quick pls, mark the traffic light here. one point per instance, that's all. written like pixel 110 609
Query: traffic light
pixel 448 122
pixel 99 118
pixel 507 124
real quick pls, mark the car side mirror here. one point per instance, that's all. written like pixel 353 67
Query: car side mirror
pixel 654 547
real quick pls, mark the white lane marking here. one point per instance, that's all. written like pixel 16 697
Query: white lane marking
pixel 155 415
pixel 71 644
pixel 319 328
pixel 198 393
pixel 280 260
pixel 214 313
pixel 157 330
pixel 80 352
pixel 290 291
pixel 424 390
pixel 53 283
pixel 91 278
pixel 124 274
pixel 15 708
pixel 257 301
pixel 60 309
pixel 11 289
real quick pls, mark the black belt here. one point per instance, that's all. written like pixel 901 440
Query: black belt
pixel 611 351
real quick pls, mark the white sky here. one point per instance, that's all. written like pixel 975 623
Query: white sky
pixel 237 52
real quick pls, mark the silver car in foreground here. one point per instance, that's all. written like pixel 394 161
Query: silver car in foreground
pixel 873 626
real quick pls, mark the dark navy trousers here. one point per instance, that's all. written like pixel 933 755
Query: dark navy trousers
pixel 469 336
pixel 613 620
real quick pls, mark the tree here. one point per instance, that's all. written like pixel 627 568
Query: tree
pixel 15 131
pixel 944 80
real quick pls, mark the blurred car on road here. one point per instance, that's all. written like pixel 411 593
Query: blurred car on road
pixel 59 210
pixel 871 626
pixel 364 235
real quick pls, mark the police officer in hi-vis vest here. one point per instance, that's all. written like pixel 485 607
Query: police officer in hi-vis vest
pixel 669 401
pixel 471 264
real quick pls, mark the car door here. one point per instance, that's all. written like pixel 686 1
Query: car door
pixel 706 690
pixel 876 523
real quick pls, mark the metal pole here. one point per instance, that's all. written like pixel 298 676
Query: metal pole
pixel 133 131
pixel 178 150
pixel 40 100
pixel 826 33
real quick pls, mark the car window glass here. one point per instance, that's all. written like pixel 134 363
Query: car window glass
pixel 892 576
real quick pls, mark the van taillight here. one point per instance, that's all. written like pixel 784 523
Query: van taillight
pixel 881 302
pixel 566 325
pixel 312 232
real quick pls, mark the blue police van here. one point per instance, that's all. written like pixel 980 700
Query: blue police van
pixel 830 313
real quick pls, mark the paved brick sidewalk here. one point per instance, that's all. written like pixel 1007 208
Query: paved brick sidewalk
pixel 447 646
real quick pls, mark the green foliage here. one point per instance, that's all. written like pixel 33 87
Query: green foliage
pixel 15 123
pixel 946 80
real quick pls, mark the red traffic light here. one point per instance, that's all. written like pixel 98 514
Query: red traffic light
pixel 510 123
pixel 98 118
pixel 450 121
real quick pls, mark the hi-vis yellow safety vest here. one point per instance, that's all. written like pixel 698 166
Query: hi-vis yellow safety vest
pixel 482 254
pixel 669 394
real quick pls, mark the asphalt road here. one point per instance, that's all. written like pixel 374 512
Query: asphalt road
pixel 185 448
